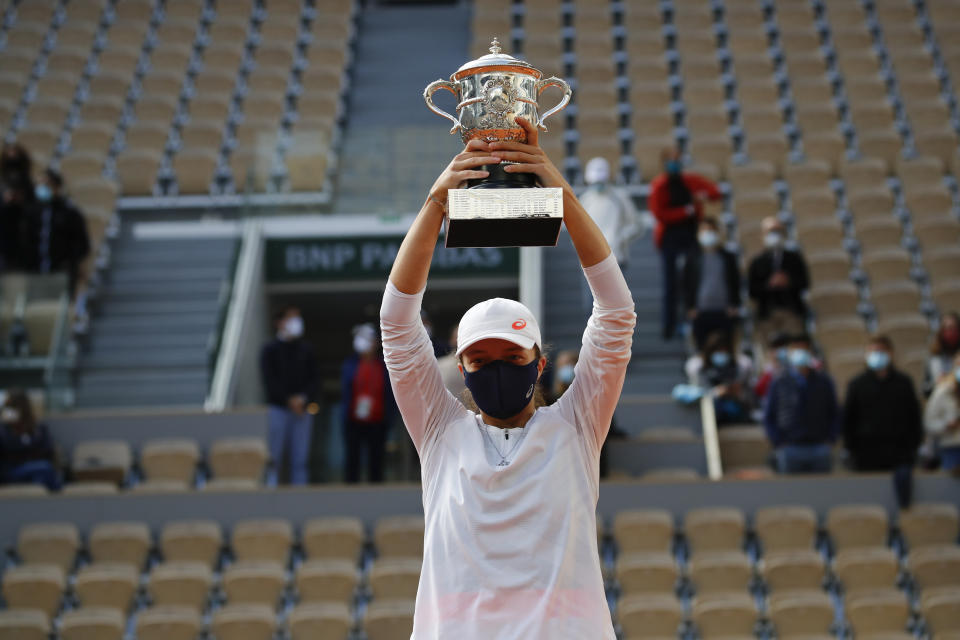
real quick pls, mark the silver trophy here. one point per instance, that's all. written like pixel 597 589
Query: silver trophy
pixel 503 209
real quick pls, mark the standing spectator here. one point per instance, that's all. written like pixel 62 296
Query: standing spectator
pixel 777 279
pixel 725 376
pixel 26 448
pixel 367 405
pixel 942 419
pixel 16 203
pixel 57 231
pixel 882 427
pixel 611 208
pixel 711 285
pixel 801 416
pixel 945 347
pixel 676 201
pixel 289 369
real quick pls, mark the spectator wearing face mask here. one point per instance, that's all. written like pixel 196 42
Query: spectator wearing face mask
pixel 711 285
pixel 289 370
pixel 941 419
pixel 611 208
pixel 945 347
pixel 725 376
pixel 882 427
pixel 367 405
pixel 26 449
pixel 17 201
pixel 801 415
pixel 57 231
pixel 777 279
pixel 676 201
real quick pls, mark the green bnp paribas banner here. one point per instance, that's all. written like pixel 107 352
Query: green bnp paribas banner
pixel 370 258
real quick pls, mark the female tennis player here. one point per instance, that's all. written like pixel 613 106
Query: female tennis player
pixel 509 494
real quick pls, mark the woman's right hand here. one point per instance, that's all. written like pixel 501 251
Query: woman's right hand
pixel 463 167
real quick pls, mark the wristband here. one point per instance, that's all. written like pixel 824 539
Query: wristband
pixel 442 205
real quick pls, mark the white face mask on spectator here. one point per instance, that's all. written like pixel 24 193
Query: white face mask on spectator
pixel 9 415
pixel 362 344
pixel 708 239
pixel 773 240
pixel 293 327
pixel 597 171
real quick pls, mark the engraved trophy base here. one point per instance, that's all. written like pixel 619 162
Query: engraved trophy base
pixel 504 217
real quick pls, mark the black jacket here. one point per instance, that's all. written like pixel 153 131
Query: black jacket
pixel 882 423
pixel 68 243
pixel 791 299
pixel 693 270
pixel 288 368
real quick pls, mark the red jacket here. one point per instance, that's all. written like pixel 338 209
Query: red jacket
pixel 659 201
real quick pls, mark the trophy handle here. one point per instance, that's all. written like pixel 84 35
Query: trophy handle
pixel 428 98
pixel 552 81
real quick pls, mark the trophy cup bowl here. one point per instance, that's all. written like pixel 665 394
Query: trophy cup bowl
pixel 491 92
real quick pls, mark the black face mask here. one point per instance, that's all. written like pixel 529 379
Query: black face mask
pixel 501 389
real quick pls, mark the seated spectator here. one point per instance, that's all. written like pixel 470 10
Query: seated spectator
pixel 725 376
pixel 881 413
pixel 801 415
pixel 941 419
pixel 17 200
pixel 776 356
pixel 57 232
pixel 777 279
pixel 945 347
pixel 676 201
pixel 26 450
pixel 711 285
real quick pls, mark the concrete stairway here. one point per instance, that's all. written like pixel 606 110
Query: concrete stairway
pixel 148 344
pixel 394 147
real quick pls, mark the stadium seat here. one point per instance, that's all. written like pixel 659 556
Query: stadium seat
pixel 49 543
pixel 192 541
pixel 170 459
pixel 395 578
pixel 643 530
pixel 137 171
pixel 835 306
pixel 92 623
pixel 180 584
pixel 89 488
pixel 254 582
pixel 722 615
pixel 34 586
pixel 24 624
pixel 244 622
pixel 877 610
pixel 866 567
pixel 243 458
pixel 714 529
pixel 941 610
pixel 333 537
pixel 265 540
pixel 929 523
pixel 801 612
pixel 309 621
pixel 720 571
pixel 107 460
pixel 646 572
pixel 106 584
pixel 896 297
pixel 785 527
pixel 399 536
pixel 650 615
pixel 743 447
pixel 389 619
pixel 120 542
pixel 326 580
pixel 857 525
pixel 792 569
pixel 935 566
pixel 168 623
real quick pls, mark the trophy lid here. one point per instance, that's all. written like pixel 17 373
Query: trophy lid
pixel 498 60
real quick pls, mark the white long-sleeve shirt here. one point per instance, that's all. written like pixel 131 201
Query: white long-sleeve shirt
pixel 511 551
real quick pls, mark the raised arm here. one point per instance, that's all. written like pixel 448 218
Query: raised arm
pixel 587 238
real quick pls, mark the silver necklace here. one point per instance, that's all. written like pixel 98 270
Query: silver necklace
pixel 503 456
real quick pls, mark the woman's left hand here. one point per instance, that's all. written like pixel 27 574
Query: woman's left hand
pixel 529 157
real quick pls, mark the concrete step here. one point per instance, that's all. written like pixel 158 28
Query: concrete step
pixel 132 378
pixel 107 399
pixel 145 326
pixel 199 256
pixel 104 341
pixel 161 306
pixel 180 289
pixel 142 274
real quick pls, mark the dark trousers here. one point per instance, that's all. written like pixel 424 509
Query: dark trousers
pixel 670 254
pixel 360 436
pixel 707 322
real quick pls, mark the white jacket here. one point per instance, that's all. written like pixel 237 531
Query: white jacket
pixel 941 411
pixel 511 552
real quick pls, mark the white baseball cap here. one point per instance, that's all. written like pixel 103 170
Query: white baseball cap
pixel 498 318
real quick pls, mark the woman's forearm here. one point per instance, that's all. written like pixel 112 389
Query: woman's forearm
pixel 410 269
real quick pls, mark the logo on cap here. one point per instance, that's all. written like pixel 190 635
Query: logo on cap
pixel 519 324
